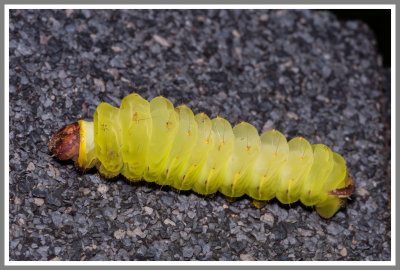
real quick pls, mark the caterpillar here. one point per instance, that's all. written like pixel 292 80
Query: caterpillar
pixel 171 146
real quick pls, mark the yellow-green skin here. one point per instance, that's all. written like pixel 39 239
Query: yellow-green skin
pixel 170 146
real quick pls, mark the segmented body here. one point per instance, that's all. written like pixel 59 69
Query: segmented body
pixel 171 146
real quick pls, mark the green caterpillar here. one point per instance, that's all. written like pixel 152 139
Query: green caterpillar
pixel 171 146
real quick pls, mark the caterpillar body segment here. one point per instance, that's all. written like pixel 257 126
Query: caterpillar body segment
pixel 246 149
pixel 108 140
pixel 135 118
pixel 195 164
pixel 172 146
pixel 164 122
pixel 269 165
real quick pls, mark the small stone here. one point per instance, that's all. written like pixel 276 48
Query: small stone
pixel 53 172
pixel 305 232
pixel 113 72
pixel 57 250
pixel 148 210
pixel 292 115
pixel 168 221
pixel 110 212
pixel 246 257
pixel 21 221
pixel 38 201
pixel 118 62
pixel 54 200
pixel 44 39
pixel 100 84
pixel 24 50
pixel 235 33
pixel 69 12
pixel 103 188
pixel 31 167
pixel 116 49
pixel 268 126
pixel 191 214
pixel 86 191
pixel 56 218
pixel 264 17
pixel 119 234
pixel 187 252
pixel 268 218
pixel 62 74
pixel 135 232
pixel 162 41
pixel 125 80
pixel 222 95
pixel 326 71
pixel 17 201
pixel 362 191
pixel 343 252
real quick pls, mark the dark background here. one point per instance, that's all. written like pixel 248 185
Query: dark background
pixel 378 21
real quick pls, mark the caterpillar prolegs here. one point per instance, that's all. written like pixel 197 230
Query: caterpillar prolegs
pixel 171 146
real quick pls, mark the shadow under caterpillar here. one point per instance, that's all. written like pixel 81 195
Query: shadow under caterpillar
pixel 171 146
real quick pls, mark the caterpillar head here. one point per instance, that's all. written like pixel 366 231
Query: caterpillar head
pixel 65 143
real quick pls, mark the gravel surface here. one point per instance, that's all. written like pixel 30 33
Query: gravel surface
pixel 302 72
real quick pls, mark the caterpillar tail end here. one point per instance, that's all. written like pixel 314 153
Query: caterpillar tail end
pixel 336 199
pixel 345 192
pixel 65 143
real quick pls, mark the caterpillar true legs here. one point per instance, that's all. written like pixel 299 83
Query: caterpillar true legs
pixel 171 146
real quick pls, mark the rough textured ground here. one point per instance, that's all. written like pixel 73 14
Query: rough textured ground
pixel 302 72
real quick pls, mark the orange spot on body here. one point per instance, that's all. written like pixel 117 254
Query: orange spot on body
pixel 188 133
pixel 302 158
pixel 195 165
pixel 206 142
pixel 135 118
pixel 218 117
pixel 222 143
pixel 148 168
pixel 275 154
pixel 265 175
pixel 247 148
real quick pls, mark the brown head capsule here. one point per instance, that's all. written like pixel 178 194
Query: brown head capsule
pixel 65 143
